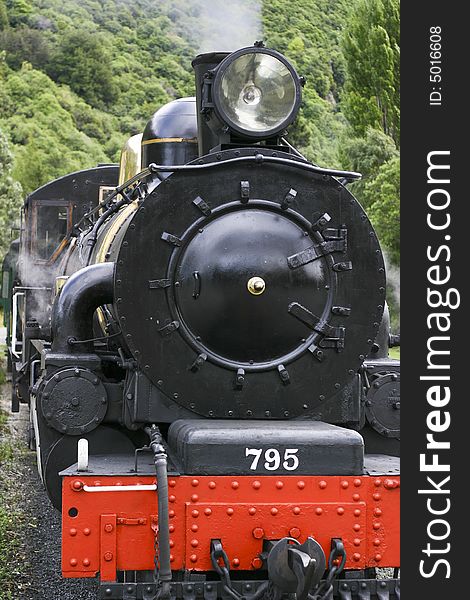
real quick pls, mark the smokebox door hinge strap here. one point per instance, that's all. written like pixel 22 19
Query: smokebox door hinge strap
pixel 158 284
pixel 343 266
pixel 202 206
pixel 244 191
pixel 344 311
pixel 333 336
pixel 335 241
pixel 169 328
pixel 171 239
pixel 198 363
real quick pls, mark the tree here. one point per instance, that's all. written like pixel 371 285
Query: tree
pixel 383 194
pixel 4 22
pixel 10 195
pixel 371 47
pixel 375 156
pixel 83 61
pixel 24 44
pixel 18 11
pixel 367 155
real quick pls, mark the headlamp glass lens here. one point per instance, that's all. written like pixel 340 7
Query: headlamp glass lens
pixel 257 92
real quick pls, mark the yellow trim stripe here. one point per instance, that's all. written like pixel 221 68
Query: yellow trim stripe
pixel 163 140
pixel 109 236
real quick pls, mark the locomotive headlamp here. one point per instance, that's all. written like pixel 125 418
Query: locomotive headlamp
pixel 256 92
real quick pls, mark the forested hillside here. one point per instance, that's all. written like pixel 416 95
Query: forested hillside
pixel 77 77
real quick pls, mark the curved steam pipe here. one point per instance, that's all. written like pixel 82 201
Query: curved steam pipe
pixel 72 314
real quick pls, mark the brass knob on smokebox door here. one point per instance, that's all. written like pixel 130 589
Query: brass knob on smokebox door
pixel 256 286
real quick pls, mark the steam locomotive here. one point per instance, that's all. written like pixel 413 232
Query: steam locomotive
pixel 202 336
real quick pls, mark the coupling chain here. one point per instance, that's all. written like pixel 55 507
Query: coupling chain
pixel 221 566
pixel 336 562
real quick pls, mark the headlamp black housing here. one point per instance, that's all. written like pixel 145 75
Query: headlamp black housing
pixel 252 94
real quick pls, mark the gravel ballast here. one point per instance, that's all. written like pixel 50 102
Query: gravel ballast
pixel 35 567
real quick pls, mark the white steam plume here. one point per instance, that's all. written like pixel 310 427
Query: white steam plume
pixel 225 25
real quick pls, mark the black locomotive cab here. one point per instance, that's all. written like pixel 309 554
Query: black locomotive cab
pixel 47 234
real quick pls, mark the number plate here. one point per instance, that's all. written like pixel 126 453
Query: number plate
pixel 273 459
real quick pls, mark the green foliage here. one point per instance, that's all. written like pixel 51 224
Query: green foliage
pixel 383 197
pixel 18 11
pixel 308 32
pixel 371 104
pixel 24 44
pixel 77 78
pixel 372 51
pixel 10 195
pixel 83 61
pixel 377 158
pixel 4 22
pixel 53 132
pixel 366 155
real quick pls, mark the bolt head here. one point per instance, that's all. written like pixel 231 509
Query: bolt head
pixel 295 532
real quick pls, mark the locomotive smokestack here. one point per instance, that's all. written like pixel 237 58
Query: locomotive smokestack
pixel 202 64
